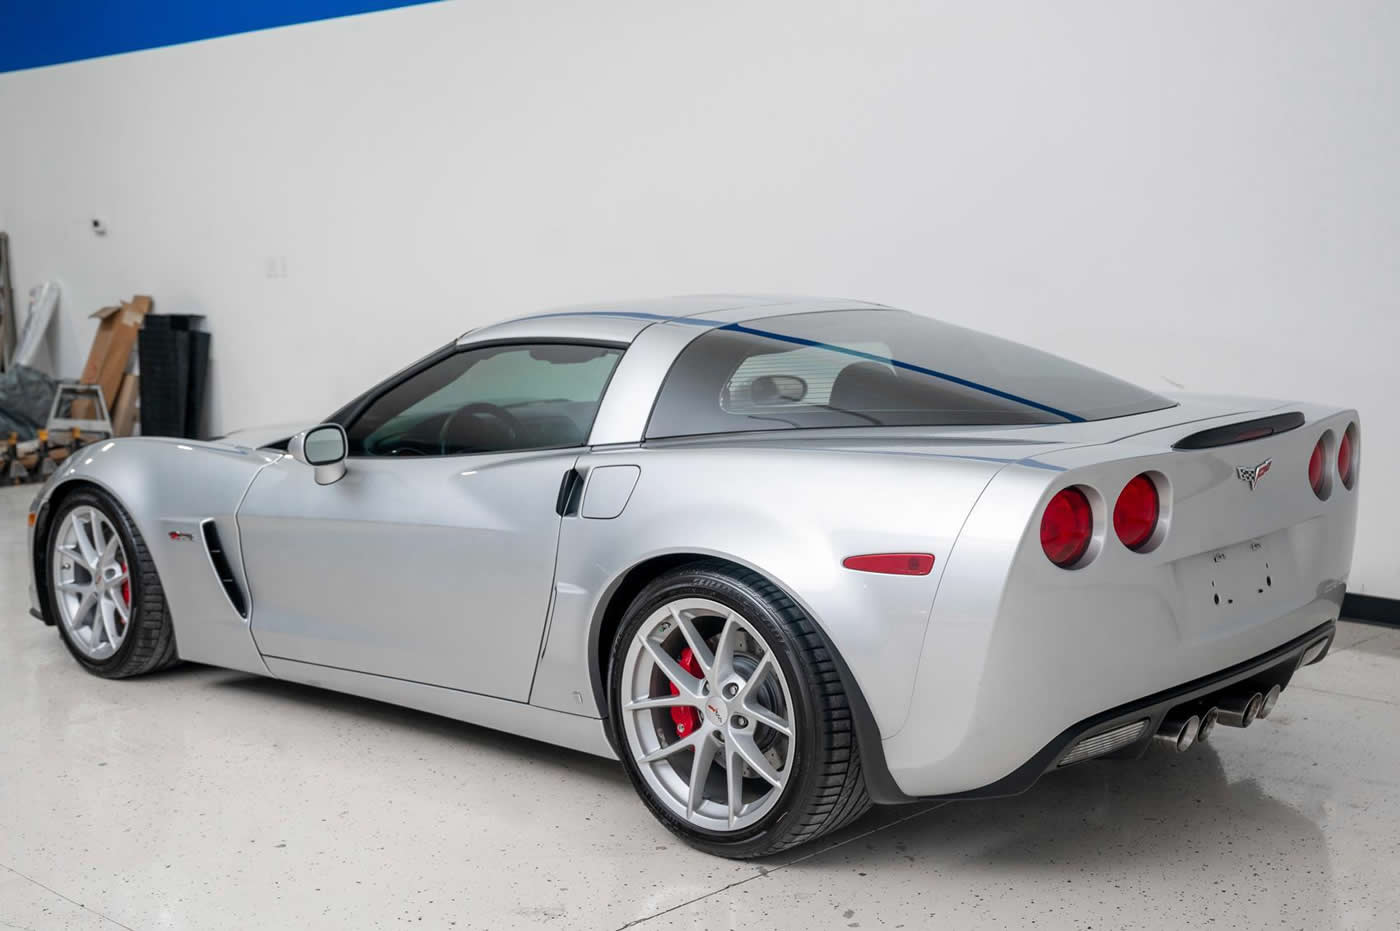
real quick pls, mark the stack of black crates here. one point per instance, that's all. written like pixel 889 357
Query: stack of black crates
pixel 174 367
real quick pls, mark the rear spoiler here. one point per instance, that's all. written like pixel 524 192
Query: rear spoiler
pixel 1241 432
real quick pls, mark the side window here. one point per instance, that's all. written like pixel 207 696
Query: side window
pixel 491 399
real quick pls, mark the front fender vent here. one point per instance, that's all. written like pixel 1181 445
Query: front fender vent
pixel 218 559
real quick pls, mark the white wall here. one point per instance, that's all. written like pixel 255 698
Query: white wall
pixel 1202 194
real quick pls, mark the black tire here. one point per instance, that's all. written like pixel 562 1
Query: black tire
pixel 150 642
pixel 826 790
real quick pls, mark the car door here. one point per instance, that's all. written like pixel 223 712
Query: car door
pixel 432 558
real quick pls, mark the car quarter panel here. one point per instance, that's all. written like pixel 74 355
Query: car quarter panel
pixel 791 514
pixel 1019 650
pixel 168 487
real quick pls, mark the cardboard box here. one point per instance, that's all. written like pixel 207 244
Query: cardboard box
pixel 117 330
pixel 111 347
pixel 128 402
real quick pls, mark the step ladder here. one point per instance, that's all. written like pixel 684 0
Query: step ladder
pixel 73 399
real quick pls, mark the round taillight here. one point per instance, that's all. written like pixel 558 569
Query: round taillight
pixel 1136 512
pixel 1346 457
pixel 1317 470
pixel 1067 527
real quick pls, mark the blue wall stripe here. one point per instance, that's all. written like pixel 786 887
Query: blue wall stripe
pixel 34 33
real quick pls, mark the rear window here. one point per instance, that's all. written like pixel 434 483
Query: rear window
pixel 876 368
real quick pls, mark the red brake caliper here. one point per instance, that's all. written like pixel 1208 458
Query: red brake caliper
pixel 126 588
pixel 687 719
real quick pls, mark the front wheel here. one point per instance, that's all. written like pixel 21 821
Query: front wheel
pixel 103 587
pixel 730 716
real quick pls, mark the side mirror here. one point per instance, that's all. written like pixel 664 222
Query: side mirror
pixel 324 449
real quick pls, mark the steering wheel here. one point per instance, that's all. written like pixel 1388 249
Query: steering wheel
pixel 502 416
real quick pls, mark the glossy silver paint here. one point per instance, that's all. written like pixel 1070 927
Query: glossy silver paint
pixel 433 569
pixel 169 487
pixel 451 584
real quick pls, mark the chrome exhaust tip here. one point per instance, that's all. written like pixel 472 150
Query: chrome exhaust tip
pixel 1177 733
pixel 1270 699
pixel 1208 722
pixel 1240 710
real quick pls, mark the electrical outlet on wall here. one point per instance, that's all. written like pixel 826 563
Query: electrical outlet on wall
pixel 276 266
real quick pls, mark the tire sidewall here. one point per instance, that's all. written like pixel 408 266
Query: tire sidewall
pixel 715 585
pixel 118 519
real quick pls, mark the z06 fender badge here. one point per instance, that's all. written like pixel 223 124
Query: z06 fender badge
pixel 1252 476
pixel 181 535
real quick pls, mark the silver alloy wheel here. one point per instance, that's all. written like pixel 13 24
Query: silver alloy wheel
pixel 724 765
pixel 91 583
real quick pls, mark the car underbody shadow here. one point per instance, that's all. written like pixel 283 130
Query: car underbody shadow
pixel 1172 816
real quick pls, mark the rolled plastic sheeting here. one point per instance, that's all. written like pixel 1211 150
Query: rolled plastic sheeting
pixel 43 300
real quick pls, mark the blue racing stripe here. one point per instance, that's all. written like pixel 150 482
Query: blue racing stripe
pixel 800 341
pixel 1032 463
pixel 986 389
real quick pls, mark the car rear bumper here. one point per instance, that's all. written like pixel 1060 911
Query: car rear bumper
pixel 1275 667
pixel 1033 699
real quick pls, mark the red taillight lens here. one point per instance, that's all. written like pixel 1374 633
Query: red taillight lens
pixel 1317 466
pixel 891 563
pixel 1346 457
pixel 1067 527
pixel 1135 515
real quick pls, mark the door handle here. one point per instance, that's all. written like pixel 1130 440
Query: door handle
pixel 570 488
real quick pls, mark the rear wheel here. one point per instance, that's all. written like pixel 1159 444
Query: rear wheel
pixel 730 716
pixel 104 589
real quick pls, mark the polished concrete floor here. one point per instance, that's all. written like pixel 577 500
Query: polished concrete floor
pixel 206 799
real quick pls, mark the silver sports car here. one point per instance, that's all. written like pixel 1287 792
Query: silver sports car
pixel 784 557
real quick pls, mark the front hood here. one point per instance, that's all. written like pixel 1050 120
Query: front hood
pixel 256 437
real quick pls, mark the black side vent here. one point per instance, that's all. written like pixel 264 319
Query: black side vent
pixel 1242 432
pixel 219 560
pixel 567 501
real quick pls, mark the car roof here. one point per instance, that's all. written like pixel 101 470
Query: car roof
pixel 623 321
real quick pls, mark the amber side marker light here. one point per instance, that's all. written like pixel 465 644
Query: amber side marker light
pixel 33 518
pixel 891 563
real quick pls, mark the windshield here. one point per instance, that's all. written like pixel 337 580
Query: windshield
pixel 876 368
